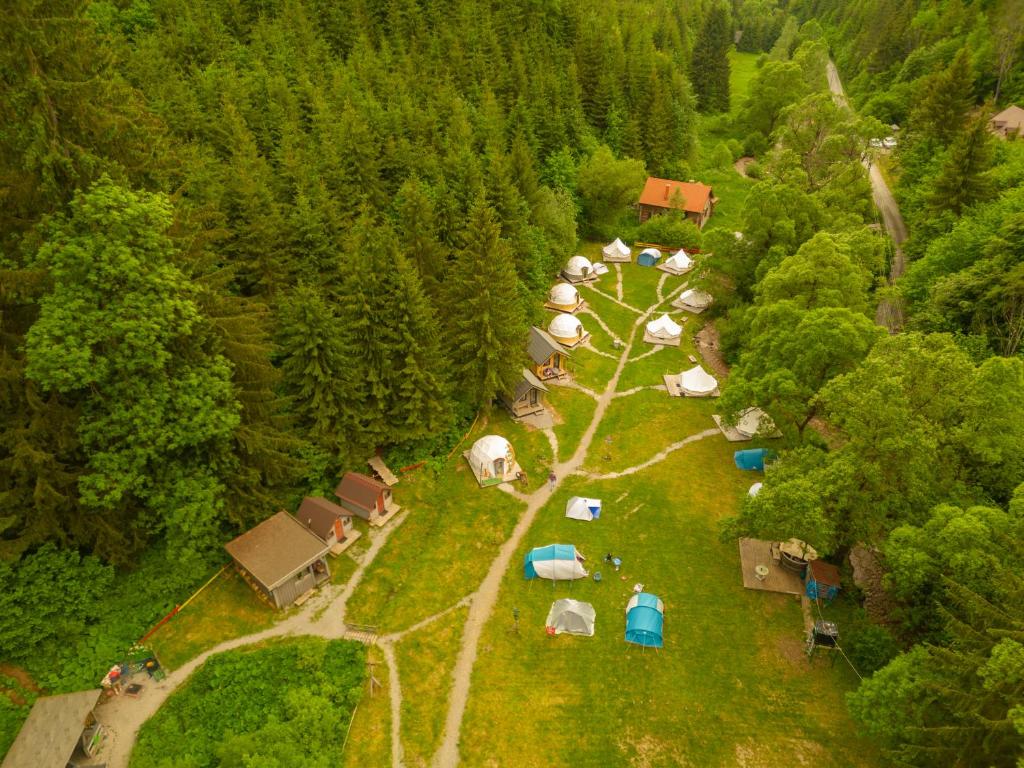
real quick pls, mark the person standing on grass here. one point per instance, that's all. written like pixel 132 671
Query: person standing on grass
pixel 551 481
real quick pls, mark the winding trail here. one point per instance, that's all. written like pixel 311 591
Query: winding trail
pixel 656 350
pixel 587 345
pixel 618 281
pixel 597 317
pixel 620 302
pixel 634 390
pixel 570 384
pixel 660 456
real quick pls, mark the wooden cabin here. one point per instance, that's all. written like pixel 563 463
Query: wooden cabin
pixel 281 559
pixel 550 359
pixel 695 200
pixel 822 580
pixel 60 731
pixel 527 397
pixel 330 522
pixel 368 498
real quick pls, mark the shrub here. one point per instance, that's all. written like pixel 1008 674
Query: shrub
pixel 755 144
pixel 671 230
pixel 870 647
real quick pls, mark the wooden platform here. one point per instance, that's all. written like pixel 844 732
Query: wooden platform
pixel 650 338
pixel 616 259
pixel 582 340
pixel 687 308
pixel 591 278
pixel 386 475
pixel 672 270
pixel 559 308
pixel 732 434
pixel 755 552
pixel 672 385
pixel 341 546
pixel 379 521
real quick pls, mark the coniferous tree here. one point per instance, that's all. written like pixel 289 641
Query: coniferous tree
pixel 709 69
pixel 943 109
pixel 963 180
pixel 417 231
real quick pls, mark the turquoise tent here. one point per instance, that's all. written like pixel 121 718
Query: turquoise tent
pixel 645 616
pixel 752 458
pixel 648 257
pixel 555 561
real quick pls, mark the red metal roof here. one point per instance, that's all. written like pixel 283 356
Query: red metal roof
pixel 659 193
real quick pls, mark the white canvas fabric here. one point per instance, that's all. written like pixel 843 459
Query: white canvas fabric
pixel 754 489
pixel 616 248
pixel 565 327
pixel 679 260
pixel 664 328
pixel 572 617
pixel 636 598
pixel 560 570
pixel 579 508
pixel 754 420
pixel 579 266
pixel 487 450
pixel 564 294
pixel 697 381
pixel 694 298
pixel 600 269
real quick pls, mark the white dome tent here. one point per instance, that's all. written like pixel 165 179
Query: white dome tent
pixel 578 270
pixel 693 300
pixel 582 508
pixel 567 330
pixel 679 263
pixel 754 421
pixel 616 251
pixel 563 297
pixel 571 617
pixel 696 382
pixel 492 460
pixel 663 330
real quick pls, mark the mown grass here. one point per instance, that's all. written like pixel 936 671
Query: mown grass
pixel 425 661
pixel 742 71
pixel 369 735
pixel 731 686
pixel 227 608
pixel 575 410
pixel 591 370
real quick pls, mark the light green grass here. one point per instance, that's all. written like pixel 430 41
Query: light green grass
pixel 648 371
pixel 574 411
pixel 615 316
pixel 640 285
pixel 590 370
pixel 369 738
pixel 731 686
pixel 425 661
pixel 742 71
pixel 226 609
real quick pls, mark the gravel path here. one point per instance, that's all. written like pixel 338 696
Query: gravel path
pixel 608 296
pixel 660 456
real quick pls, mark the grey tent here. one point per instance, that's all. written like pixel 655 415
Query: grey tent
pixel 572 617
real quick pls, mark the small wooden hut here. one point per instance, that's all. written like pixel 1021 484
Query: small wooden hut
pixel 330 522
pixel 550 359
pixel 822 581
pixel 368 498
pixel 527 397
pixel 60 730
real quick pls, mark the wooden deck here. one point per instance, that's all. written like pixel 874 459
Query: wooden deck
pixel 350 539
pixel 379 521
pixel 386 475
pixel 561 308
pixel 650 338
pixel 755 552
pixel 672 385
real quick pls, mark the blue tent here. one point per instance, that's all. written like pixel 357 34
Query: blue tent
pixel 645 616
pixel 752 458
pixel 555 561
pixel 648 257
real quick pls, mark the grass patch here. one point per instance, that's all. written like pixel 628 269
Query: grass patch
pixel 575 409
pixel 425 661
pixel 731 685
pixel 369 739
pixel 742 71
pixel 615 316
pixel 640 285
pixel 590 370
pixel 649 370
pixel 226 609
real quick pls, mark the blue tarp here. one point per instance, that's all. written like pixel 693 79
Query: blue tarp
pixel 752 458
pixel 824 591
pixel 646 260
pixel 644 622
pixel 550 552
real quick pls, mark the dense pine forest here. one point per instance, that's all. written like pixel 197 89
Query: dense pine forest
pixel 245 245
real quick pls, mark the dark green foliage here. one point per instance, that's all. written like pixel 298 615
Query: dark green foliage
pixel 283 704
pixel 869 646
pixel 672 230
pixel 709 69
pixel 962 180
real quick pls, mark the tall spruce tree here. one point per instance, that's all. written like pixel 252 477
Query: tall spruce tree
pixel 963 180
pixel 487 322
pixel 709 68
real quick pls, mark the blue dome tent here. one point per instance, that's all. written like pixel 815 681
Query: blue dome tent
pixel 752 458
pixel 645 617
pixel 556 562
pixel 648 257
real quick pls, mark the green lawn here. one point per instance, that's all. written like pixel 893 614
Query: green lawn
pixel 591 370
pixel 742 70
pixel 731 686
pixel 574 410
pixel 369 738
pixel 425 661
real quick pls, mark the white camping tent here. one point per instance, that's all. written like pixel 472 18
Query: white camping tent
pixel 572 617
pixel 697 382
pixel 664 328
pixel 616 251
pixel 564 295
pixel 678 261
pixel 566 328
pixel 600 269
pixel 691 297
pixel 579 266
pixel 754 420
pixel 581 508
pixel 754 489
pixel 491 457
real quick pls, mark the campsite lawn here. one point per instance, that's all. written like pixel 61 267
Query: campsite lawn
pixel 369 734
pixel 574 409
pixel 732 685
pixel 227 608
pixel 615 316
pixel 591 370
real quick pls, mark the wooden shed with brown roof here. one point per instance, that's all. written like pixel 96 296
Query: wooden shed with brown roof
pixel 368 498
pixel 60 730
pixel 1009 123
pixel 281 559
pixel 695 200
pixel 327 520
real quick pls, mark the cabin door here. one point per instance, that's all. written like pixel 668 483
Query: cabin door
pixel 499 467
pixel 533 397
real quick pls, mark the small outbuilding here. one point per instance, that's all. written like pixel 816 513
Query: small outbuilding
pixel 60 731
pixel 1009 123
pixel 664 331
pixel 281 559
pixel 581 508
pixel 330 522
pixel 645 620
pixel 550 358
pixel 579 270
pixel 695 200
pixel 571 617
pixel 528 396
pixel 563 297
pixel 679 263
pixel 567 330
pixel 693 300
pixel 366 497
pixel 822 580
pixel 558 562
pixel 492 460
pixel 616 251
pixel 648 257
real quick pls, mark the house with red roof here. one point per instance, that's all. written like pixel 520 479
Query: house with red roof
pixel 695 200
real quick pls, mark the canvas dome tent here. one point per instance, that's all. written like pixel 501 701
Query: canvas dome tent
pixel 580 508
pixel 578 269
pixel 567 330
pixel 616 251
pixel 693 300
pixel 645 619
pixel 648 257
pixel 558 562
pixel 678 263
pixel 571 617
pixel 664 328
pixel 564 297
pixel 492 460
pixel 753 421
pixel 697 382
